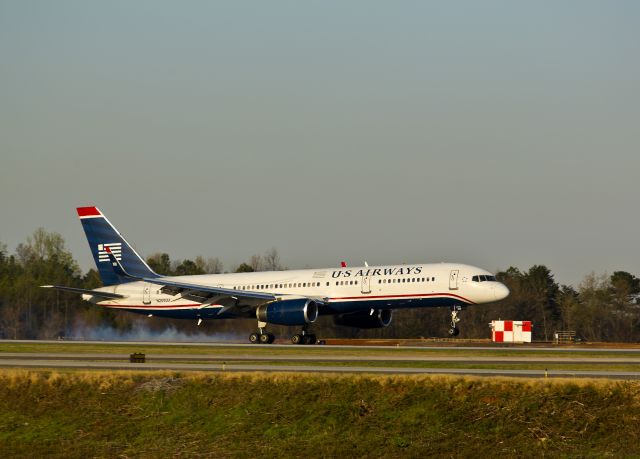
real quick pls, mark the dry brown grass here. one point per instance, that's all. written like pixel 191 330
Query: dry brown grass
pixel 199 414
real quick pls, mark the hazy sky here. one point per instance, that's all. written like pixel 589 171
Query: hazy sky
pixel 491 133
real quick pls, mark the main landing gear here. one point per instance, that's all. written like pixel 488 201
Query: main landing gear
pixel 304 337
pixel 453 328
pixel 261 337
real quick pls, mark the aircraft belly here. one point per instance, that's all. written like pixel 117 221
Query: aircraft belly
pixel 339 307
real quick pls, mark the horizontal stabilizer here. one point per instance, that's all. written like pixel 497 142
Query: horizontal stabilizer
pixel 84 291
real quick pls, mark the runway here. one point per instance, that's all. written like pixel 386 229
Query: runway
pixel 564 363
pixel 14 356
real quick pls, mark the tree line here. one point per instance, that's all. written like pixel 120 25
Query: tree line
pixel 600 308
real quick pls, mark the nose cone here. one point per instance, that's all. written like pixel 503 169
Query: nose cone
pixel 500 291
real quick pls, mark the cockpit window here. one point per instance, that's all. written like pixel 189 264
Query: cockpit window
pixel 483 278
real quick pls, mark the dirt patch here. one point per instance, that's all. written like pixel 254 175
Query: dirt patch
pixel 168 385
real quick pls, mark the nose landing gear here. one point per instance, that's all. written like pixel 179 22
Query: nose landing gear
pixel 453 328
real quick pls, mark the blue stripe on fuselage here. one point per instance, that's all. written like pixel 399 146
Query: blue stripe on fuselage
pixel 337 307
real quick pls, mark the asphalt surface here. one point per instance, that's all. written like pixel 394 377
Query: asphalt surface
pixel 90 356
pixel 253 358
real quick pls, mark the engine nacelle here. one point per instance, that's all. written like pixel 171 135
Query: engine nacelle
pixel 365 319
pixel 300 311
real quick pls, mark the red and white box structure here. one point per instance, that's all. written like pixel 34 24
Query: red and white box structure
pixel 511 331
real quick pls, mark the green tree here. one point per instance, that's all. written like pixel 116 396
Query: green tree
pixel 624 283
pixel 543 290
pixel 187 268
pixel 27 310
pixel 160 263
pixel 244 268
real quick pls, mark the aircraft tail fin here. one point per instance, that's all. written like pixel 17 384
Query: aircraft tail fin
pixel 101 234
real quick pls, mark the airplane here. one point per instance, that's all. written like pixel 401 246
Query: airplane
pixel 363 297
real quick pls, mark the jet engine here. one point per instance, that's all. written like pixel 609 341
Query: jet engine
pixel 376 318
pixel 300 311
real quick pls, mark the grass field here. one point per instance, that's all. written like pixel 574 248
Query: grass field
pixel 128 414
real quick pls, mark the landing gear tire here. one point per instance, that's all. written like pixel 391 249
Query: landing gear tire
pixel 298 339
pixel 267 338
pixel 254 338
pixel 454 331
pixel 310 339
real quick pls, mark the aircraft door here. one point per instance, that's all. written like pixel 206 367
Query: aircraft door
pixel 365 284
pixel 146 293
pixel 453 279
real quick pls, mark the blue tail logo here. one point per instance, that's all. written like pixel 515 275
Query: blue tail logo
pixel 116 249
pixel 102 235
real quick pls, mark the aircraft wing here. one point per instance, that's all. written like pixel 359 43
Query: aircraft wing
pixel 187 289
pixel 205 290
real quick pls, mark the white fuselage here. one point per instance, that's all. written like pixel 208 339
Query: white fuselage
pixel 340 289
